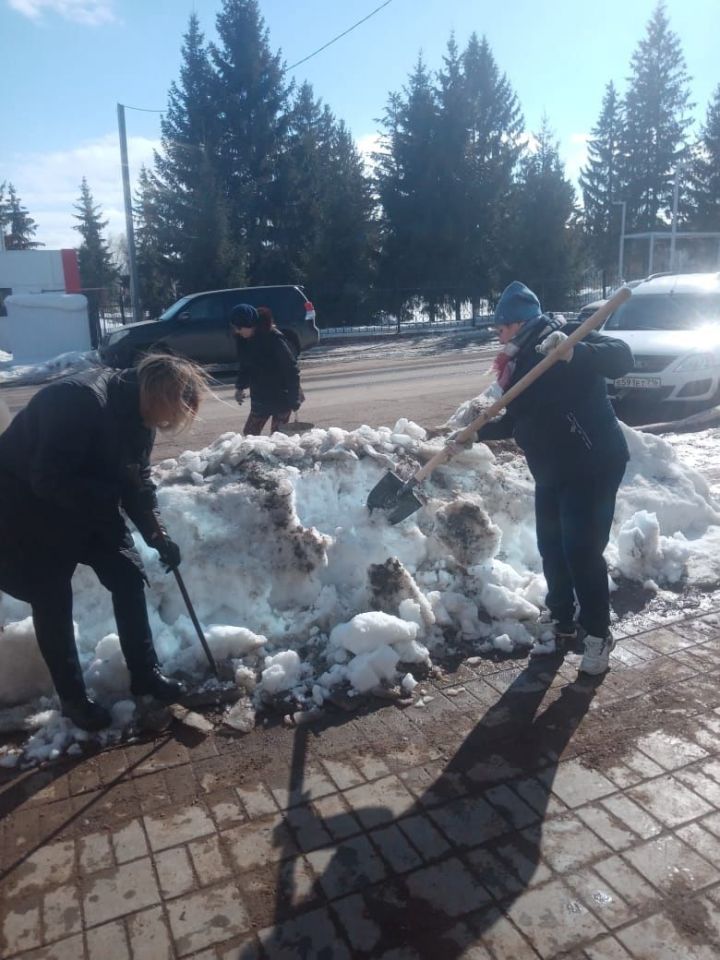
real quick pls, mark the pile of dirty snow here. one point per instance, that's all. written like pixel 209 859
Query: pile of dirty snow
pixel 64 364
pixel 304 590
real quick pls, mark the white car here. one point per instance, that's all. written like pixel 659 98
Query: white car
pixel 672 325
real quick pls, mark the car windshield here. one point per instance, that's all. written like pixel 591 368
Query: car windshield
pixel 175 308
pixel 662 311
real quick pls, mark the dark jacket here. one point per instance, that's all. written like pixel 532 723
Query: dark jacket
pixel 268 367
pixel 76 455
pixel 564 422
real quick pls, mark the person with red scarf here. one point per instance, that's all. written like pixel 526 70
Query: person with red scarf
pixel 577 453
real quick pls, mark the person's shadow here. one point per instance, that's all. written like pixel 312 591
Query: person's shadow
pixel 421 910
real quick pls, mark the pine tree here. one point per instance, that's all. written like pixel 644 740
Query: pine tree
pixel 97 271
pixel 17 225
pixel 657 118
pixel 407 185
pixel 190 209
pixel 599 182
pixel 494 125
pixel 251 96
pixel 302 175
pixel 155 274
pixel 339 270
pixel 705 172
pixel 543 248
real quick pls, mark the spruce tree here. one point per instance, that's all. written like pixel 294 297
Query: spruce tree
pixel 190 202
pixel 339 270
pixel 97 271
pixel 407 185
pixel 155 274
pixel 705 172
pixel 494 125
pixel 599 182
pixel 543 240
pixel 17 225
pixel 250 94
pixel 657 116
pixel 302 177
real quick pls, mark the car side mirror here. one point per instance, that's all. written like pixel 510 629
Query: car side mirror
pixel 184 316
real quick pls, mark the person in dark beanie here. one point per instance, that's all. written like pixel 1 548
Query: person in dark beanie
pixel 267 368
pixel 577 454
pixel 73 464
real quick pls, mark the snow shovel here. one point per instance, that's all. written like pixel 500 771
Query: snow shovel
pixel 398 496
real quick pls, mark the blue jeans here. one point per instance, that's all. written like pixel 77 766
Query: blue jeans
pixel 573 520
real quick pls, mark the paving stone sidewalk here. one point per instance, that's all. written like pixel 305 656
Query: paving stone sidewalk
pixel 519 813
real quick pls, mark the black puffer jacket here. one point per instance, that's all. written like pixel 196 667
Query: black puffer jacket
pixel 268 367
pixel 70 461
pixel 564 422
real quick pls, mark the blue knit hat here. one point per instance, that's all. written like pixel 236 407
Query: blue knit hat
pixel 518 304
pixel 244 315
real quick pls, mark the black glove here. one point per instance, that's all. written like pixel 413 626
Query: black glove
pixel 168 550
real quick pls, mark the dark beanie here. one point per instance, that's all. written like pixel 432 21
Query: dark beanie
pixel 518 304
pixel 244 315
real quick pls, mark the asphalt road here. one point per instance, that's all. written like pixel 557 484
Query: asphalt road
pixel 374 382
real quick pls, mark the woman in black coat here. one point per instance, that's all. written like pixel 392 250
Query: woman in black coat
pixel 577 454
pixel 73 464
pixel 267 367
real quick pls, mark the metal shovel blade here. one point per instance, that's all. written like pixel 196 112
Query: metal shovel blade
pixel 406 504
pixel 395 495
pixel 384 494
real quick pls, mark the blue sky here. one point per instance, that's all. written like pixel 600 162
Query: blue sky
pixel 66 63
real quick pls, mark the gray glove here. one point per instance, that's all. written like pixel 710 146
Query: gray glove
pixel 240 397
pixel 552 341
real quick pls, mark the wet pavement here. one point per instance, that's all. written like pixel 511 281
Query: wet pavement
pixel 521 812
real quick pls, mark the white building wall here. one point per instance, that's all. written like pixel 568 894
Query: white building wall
pixel 42 326
pixel 32 271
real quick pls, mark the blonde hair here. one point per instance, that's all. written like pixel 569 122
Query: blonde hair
pixel 174 385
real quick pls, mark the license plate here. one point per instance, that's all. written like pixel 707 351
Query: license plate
pixel 639 382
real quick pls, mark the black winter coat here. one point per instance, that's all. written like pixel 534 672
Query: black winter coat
pixel 268 367
pixel 564 422
pixel 69 462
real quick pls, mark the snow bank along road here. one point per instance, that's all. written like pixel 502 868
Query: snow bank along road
pixel 423 379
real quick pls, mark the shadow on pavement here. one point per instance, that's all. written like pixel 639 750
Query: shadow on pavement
pixel 451 902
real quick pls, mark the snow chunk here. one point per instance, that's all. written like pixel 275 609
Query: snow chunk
pixel 368 631
pixel 282 672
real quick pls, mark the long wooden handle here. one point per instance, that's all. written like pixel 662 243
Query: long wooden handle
pixel 531 376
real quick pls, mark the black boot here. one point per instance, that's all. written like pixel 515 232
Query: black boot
pixel 86 714
pixel 152 683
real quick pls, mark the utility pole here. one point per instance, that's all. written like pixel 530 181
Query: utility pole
pixel 132 263
pixel 673 230
pixel 621 254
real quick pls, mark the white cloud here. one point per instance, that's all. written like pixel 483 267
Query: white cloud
pixel 49 184
pixel 91 13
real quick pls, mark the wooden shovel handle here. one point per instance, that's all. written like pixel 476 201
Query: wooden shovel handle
pixel 531 376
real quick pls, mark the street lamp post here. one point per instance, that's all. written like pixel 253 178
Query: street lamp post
pixel 621 253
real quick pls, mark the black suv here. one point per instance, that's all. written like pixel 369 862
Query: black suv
pixel 198 326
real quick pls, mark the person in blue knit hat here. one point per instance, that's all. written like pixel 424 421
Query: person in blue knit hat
pixel 267 368
pixel 575 449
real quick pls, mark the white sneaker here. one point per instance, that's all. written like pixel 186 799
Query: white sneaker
pixel 596 659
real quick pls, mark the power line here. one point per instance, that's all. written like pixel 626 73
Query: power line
pixel 142 109
pixel 339 36
pixel 304 59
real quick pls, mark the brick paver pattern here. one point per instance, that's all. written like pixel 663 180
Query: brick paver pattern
pixel 520 812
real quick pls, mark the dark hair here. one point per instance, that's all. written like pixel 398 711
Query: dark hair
pixel 267 321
